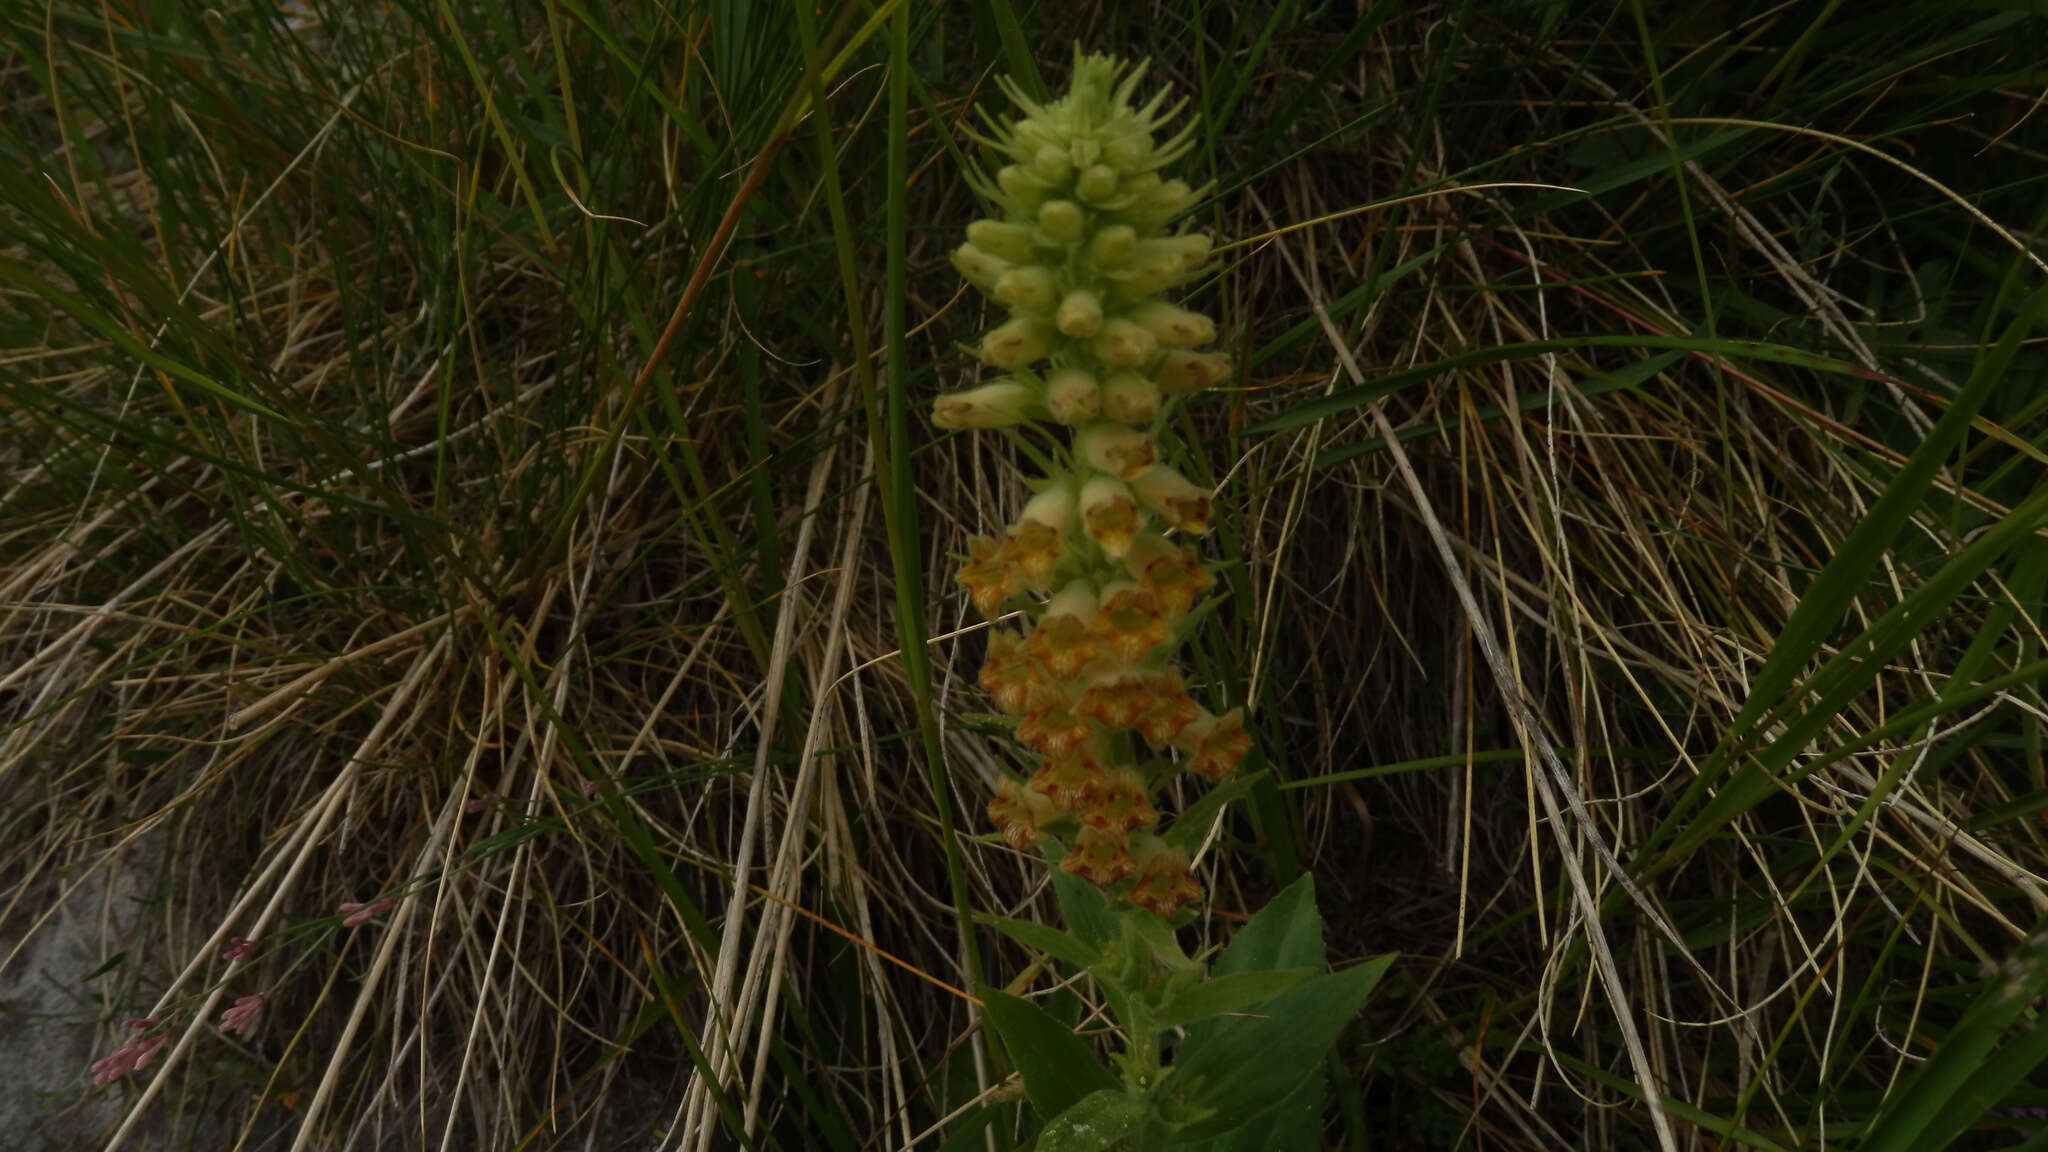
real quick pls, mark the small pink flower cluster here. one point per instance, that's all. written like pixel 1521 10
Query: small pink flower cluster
pixel 133 1056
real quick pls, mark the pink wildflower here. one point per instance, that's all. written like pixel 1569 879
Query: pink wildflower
pixel 133 1056
pixel 239 948
pixel 353 913
pixel 242 1015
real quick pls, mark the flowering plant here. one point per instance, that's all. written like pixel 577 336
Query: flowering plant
pixel 1081 248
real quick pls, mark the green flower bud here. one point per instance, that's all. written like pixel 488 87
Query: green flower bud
pixel 1017 342
pixel 1180 373
pixel 1096 184
pixel 1050 165
pixel 1011 242
pixel 996 405
pixel 1072 396
pixel 1129 398
pixel 1109 247
pixel 1130 152
pixel 1122 344
pixel 1080 314
pixel 1028 289
pixel 979 266
pixel 1025 193
pixel 1062 220
pixel 1171 325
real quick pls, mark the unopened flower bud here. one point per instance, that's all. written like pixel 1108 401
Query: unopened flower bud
pixel 1180 372
pixel 1115 449
pixel 1011 242
pixel 1025 192
pixel 996 405
pixel 1017 342
pixel 1051 165
pixel 1062 220
pixel 978 265
pixel 1190 250
pixel 1110 246
pixel 1122 344
pixel 1096 184
pixel 1171 325
pixel 1028 288
pixel 1129 398
pixel 1080 313
pixel 1128 152
pixel 1170 494
pixel 1072 396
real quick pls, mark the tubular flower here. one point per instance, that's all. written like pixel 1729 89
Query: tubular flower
pixel 1172 709
pixel 1116 803
pixel 1079 250
pixel 1055 728
pixel 988 576
pixel 1130 623
pixel 1101 857
pixel 1163 882
pixel 1110 515
pixel 1034 549
pixel 1018 813
pixel 1214 744
pixel 1112 448
pixel 1066 782
pixel 1174 497
pixel 1172 574
pixel 1007 673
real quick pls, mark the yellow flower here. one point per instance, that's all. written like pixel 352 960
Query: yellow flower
pixel 1163 882
pixel 1054 727
pixel 1109 515
pixel 1214 744
pixel 1176 499
pixel 1100 857
pixel 1020 814
pixel 1169 572
pixel 1116 803
pixel 1129 624
pixel 1007 674
pixel 988 576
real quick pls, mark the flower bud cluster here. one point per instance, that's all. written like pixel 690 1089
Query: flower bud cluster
pixel 1078 258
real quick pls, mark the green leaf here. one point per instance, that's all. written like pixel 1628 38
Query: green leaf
pixel 1099 1120
pixel 1051 941
pixel 1295 1124
pixel 1286 933
pixel 1081 903
pixel 1226 994
pixel 1057 1066
pixel 1253 1063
